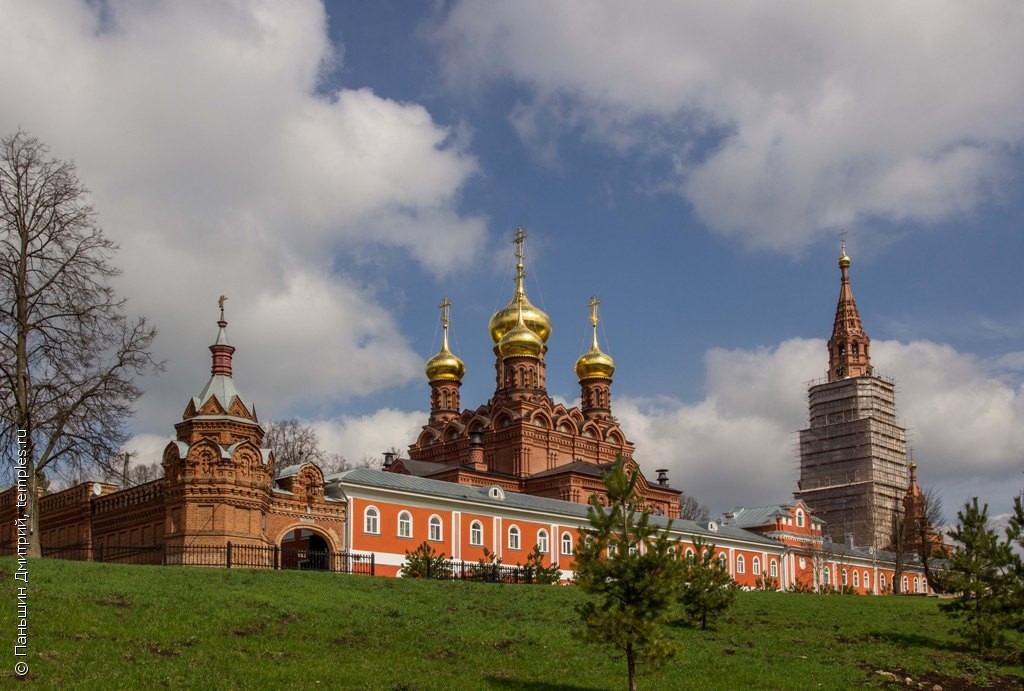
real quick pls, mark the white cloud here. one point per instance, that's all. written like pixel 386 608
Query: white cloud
pixel 817 115
pixel 738 445
pixel 360 436
pixel 221 165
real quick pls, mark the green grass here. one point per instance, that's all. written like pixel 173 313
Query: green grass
pixel 123 627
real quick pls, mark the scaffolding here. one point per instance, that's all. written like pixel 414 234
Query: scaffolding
pixel 853 459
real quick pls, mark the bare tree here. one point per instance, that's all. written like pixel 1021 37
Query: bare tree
pixel 692 510
pixel 68 352
pixel 294 442
pixel 929 535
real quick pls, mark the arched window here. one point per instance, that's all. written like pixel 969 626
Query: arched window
pixel 917 587
pixel 755 566
pixel 689 552
pixel 513 537
pixel 881 581
pixel 371 521
pixel 723 560
pixel 826 576
pixel 856 579
pixel 906 585
pixel 799 518
pixel 566 544
pixel 740 564
pixel 476 533
pixel 435 529
pixel 405 524
pixel 774 565
pixel 844 579
pixel 867 581
pixel 542 541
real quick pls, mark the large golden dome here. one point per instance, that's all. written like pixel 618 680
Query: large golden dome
pixel 445 366
pixel 505 319
pixel 594 364
pixel 520 341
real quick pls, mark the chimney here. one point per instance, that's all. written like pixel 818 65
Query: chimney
pixel 662 477
pixel 476 451
pixel 849 540
pixel 389 458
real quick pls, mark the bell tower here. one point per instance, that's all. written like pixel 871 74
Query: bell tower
pixel 853 456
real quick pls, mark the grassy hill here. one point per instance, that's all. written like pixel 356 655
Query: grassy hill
pixel 113 627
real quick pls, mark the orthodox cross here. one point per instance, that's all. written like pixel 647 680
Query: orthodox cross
pixel 445 307
pixel 594 302
pixel 842 239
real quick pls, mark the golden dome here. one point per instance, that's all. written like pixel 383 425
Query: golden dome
pixel 445 366
pixel 594 364
pixel 505 319
pixel 844 261
pixel 521 340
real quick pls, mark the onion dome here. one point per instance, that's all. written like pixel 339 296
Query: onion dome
pixel 594 364
pixel 445 366
pixel 844 261
pixel 505 319
pixel 521 340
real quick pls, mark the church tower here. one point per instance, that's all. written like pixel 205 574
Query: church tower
pixel 853 467
pixel 217 474
pixel 522 440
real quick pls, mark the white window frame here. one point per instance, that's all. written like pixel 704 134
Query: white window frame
pixel 435 528
pixel 371 520
pixel 514 537
pixel 567 544
pixel 799 518
pixel 741 564
pixel 476 533
pixel 856 578
pixel 755 566
pixel 773 567
pixel 405 525
pixel 542 541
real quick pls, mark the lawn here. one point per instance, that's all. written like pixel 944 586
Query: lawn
pixel 130 627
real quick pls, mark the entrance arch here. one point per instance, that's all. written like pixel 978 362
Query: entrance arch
pixel 305 548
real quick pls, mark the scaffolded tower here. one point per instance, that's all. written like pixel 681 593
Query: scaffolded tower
pixel 853 457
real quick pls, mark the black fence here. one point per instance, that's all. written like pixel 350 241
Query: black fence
pixel 449 569
pixel 222 556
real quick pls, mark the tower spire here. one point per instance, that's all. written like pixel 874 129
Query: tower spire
pixel 848 349
pixel 221 349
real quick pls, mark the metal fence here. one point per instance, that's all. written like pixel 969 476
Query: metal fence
pixel 222 556
pixel 450 569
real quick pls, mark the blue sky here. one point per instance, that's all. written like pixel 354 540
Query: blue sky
pixel 335 170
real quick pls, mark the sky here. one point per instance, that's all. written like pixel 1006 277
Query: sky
pixel 336 169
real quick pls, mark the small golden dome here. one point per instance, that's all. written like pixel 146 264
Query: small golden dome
pixel 521 340
pixel 445 366
pixel 844 261
pixel 594 364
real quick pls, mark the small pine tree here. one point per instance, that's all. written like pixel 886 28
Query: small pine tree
pixel 540 574
pixel 425 562
pixel 630 569
pixel 709 589
pixel 980 575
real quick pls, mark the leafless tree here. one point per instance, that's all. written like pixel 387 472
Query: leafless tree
pixel 692 510
pixel 294 442
pixel 69 355
pixel 929 531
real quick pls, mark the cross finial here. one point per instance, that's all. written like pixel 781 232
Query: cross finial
pixel 594 302
pixel 842 239
pixel 445 306
pixel 220 303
